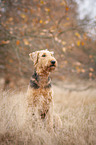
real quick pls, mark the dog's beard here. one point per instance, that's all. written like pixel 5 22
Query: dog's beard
pixel 47 68
pixel 50 68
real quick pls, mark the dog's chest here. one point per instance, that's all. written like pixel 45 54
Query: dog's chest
pixel 43 97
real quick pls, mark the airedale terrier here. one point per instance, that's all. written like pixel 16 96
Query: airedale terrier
pixel 40 94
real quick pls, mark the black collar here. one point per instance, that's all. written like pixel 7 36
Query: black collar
pixel 34 82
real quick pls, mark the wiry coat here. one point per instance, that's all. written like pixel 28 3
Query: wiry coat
pixel 40 95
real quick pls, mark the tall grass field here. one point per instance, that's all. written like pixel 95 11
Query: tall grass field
pixel 76 106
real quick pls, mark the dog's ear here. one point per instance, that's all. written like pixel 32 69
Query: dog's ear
pixel 34 56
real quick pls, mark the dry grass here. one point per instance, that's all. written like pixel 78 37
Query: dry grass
pixel 76 109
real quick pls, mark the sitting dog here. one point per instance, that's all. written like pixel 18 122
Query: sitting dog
pixel 40 94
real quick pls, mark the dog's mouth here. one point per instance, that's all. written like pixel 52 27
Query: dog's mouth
pixel 52 65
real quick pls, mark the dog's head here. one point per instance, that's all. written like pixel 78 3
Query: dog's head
pixel 44 61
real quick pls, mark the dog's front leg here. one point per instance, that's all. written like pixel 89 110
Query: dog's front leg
pixel 49 120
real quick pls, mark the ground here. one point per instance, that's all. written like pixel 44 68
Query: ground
pixel 76 105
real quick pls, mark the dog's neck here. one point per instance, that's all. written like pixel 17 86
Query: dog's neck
pixel 40 81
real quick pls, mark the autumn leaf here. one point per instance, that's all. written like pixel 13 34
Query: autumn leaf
pixel 78 43
pixel 40 21
pixel 46 22
pixel 4 42
pixel 78 69
pixel 45 30
pixel 26 42
pixel 91 69
pixel 90 56
pixel 90 74
pixel 67 18
pixel 23 15
pixel 63 3
pixel 77 34
pixel 10 60
pixel 64 49
pixel 82 43
pixel 42 33
pixel 83 70
pixel 66 24
pixel 56 39
pixel 10 19
pixel 78 63
pixel 63 42
pixel 42 2
pixel 17 42
pixel 67 8
pixel 47 9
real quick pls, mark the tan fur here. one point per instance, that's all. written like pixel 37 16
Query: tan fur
pixel 40 100
pixel 42 64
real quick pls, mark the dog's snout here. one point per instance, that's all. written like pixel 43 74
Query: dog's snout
pixel 53 62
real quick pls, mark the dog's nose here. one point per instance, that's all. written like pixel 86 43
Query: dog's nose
pixel 53 62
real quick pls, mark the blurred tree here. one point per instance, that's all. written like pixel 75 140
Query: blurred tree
pixel 27 26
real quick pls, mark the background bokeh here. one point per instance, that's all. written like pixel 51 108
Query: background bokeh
pixel 65 27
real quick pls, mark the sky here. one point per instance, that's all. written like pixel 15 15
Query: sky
pixel 87 10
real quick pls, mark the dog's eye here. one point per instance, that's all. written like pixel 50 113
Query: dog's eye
pixel 43 55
